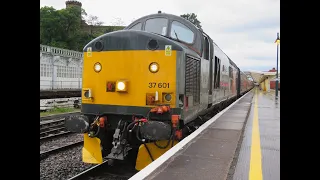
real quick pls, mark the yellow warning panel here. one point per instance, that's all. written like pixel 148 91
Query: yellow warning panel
pixel 168 50
pixel 144 159
pixel 89 52
pixel 91 151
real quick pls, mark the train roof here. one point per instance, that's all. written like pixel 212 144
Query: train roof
pixel 196 44
pixel 165 15
pixel 197 31
pixel 232 63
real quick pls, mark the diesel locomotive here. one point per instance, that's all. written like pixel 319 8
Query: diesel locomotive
pixel 146 86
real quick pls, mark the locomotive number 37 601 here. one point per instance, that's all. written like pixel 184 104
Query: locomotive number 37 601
pixel 158 85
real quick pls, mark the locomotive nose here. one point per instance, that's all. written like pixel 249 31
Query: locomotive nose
pixel 77 124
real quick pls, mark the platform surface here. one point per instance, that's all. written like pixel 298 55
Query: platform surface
pixel 259 157
pixel 210 154
pixel 227 149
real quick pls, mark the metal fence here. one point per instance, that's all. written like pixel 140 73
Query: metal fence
pixel 61 52
pixel 47 84
pixel 60 68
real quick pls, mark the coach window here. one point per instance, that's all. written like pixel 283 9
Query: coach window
pixel 182 32
pixel 136 27
pixel 157 25
pixel 230 72
pixel 216 72
pixel 206 49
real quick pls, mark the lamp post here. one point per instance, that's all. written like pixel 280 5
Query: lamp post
pixel 277 80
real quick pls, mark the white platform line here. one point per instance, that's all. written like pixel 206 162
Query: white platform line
pixel 144 173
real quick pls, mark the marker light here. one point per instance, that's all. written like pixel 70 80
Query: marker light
pixel 97 67
pixel 168 97
pixel 154 67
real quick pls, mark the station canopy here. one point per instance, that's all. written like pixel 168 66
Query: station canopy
pixel 260 76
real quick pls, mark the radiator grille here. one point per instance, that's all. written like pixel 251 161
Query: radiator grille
pixel 193 78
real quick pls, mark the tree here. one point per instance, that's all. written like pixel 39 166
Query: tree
pixel 193 19
pixel 69 21
pixel 83 13
pixel 62 28
pixel 58 27
pixel 49 25
pixel 94 21
pixel 65 29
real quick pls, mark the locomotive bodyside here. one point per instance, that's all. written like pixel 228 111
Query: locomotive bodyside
pixel 145 86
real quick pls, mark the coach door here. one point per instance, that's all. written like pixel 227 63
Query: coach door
pixel 207 55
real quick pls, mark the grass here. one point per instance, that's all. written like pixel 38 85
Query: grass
pixel 58 110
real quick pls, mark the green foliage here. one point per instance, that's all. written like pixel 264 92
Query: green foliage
pixel 62 28
pixel 192 18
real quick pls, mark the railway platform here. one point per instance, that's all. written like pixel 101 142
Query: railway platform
pixel 239 143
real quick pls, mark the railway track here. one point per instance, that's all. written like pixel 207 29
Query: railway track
pixel 86 172
pixel 58 116
pixel 119 171
pixel 51 136
pixel 68 163
pixel 56 150
pixel 52 128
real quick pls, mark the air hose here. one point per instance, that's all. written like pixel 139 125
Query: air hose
pixel 96 134
pixel 172 137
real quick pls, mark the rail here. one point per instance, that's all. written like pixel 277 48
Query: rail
pixel 52 128
pixel 56 150
pixel 58 116
pixel 48 137
pixel 82 174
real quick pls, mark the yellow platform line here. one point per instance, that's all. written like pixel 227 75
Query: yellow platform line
pixel 255 172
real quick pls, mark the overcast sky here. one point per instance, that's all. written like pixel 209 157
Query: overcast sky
pixel 244 29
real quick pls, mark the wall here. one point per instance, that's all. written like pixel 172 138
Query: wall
pixel 60 68
pixel 273 85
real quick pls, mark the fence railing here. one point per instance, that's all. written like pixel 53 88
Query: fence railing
pixel 60 52
pixel 47 84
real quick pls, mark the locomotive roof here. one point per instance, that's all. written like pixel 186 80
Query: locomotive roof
pixel 190 25
pixel 168 16
pixel 197 41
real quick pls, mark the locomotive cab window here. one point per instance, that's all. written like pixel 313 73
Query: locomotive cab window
pixel 136 26
pixel 157 25
pixel 182 32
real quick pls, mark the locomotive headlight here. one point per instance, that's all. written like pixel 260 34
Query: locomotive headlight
pixel 97 67
pixel 121 86
pixel 154 67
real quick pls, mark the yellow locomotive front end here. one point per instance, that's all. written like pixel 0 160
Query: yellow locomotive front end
pixel 133 79
pixel 129 97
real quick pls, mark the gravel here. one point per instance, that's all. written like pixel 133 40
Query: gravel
pixel 60 141
pixel 63 165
